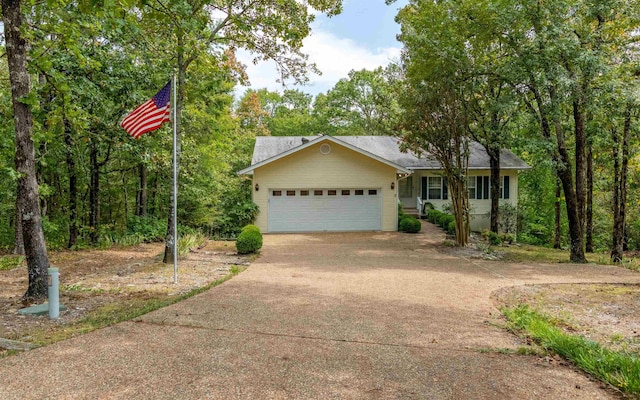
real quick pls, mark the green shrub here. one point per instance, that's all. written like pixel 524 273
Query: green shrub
pixel 400 211
pixel 409 224
pixel 149 229
pixel 445 220
pixel 432 215
pixel 190 241
pixel 507 238
pixel 10 262
pixel 494 239
pixel 451 228
pixel 250 227
pixel 249 241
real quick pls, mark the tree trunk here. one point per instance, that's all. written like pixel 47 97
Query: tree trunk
pixel 494 163
pixel 571 198
pixel 73 188
pixel 581 164
pixel 94 194
pixel 29 208
pixel 589 210
pixel 141 198
pixel 620 167
pixel 125 195
pixel 152 208
pixel 18 247
pixel 557 239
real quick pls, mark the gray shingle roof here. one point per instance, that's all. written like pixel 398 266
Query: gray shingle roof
pixel 386 147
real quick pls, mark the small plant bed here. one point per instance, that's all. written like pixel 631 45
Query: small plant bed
pixel 445 221
pixel 595 326
pixel 102 287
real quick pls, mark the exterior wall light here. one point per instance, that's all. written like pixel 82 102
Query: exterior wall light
pixel 393 185
pixel 257 187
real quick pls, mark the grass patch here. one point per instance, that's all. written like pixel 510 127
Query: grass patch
pixel 10 262
pixel 118 312
pixel 530 253
pixel 621 370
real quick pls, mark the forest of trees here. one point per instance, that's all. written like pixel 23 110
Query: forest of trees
pixel 555 81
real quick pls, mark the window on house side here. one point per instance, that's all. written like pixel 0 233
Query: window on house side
pixel 471 186
pixel 434 189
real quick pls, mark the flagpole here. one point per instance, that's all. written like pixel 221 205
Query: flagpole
pixel 175 182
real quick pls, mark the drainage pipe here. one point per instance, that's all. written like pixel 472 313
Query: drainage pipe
pixel 54 293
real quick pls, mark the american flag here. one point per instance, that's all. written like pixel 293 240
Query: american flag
pixel 150 115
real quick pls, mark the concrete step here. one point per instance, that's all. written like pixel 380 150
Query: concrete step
pixel 411 211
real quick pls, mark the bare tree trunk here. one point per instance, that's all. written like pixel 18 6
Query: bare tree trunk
pixel 494 163
pixel 94 194
pixel 580 163
pixel 557 239
pixel 28 206
pixel 589 210
pixel 125 195
pixel 18 247
pixel 620 166
pixel 73 188
pixel 571 199
pixel 141 198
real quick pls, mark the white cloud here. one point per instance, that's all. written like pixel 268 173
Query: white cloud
pixel 334 57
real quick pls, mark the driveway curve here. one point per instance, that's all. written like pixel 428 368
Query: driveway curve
pixel 353 315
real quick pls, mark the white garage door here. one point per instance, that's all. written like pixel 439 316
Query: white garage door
pixel 312 210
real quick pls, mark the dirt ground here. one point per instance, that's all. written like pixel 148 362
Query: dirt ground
pixel 94 278
pixel 605 313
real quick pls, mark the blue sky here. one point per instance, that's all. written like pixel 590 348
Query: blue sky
pixel 362 37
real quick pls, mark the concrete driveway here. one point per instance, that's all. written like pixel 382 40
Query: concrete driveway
pixel 359 315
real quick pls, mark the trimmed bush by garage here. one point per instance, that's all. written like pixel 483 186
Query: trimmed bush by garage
pixel 249 240
pixel 409 224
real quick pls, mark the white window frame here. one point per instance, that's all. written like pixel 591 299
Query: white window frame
pixel 471 186
pixel 435 186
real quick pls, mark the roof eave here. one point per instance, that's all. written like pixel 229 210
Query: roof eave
pixel 249 170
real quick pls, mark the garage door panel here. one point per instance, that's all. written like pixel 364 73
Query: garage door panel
pixel 324 212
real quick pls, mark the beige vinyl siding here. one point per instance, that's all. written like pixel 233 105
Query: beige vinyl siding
pixel 342 168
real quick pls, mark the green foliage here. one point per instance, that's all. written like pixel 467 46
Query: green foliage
pixel 451 228
pixel 249 241
pixel 619 369
pixel 409 224
pixel 10 262
pixel 507 238
pixel 190 241
pixel 250 227
pixel 446 221
pixel 148 229
pixel 365 103
pixel 494 238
